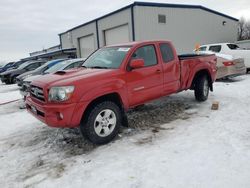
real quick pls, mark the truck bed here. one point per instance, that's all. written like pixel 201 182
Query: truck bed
pixel 193 55
pixel 191 62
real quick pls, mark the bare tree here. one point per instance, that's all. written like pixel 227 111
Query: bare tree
pixel 243 29
pixel 247 30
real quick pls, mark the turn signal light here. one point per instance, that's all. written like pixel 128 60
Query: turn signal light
pixel 228 63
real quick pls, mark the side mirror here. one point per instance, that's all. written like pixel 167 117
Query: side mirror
pixel 136 63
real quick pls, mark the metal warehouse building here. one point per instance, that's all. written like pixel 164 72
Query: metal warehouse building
pixel 184 25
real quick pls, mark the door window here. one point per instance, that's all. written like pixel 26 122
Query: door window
pixel 147 53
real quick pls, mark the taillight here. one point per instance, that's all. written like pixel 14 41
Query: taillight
pixel 228 63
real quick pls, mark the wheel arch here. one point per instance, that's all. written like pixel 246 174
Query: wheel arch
pixel 200 73
pixel 114 97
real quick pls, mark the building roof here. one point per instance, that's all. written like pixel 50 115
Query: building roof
pixel 149 4
pixel 53 53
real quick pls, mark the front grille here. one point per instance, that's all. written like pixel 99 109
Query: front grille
pixel 37 93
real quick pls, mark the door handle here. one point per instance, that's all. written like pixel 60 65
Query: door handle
pixel 158 71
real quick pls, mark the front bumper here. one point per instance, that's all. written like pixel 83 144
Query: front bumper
pixel 56 115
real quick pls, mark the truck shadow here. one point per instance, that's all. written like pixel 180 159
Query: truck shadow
pixel 69 142
pixel 50 150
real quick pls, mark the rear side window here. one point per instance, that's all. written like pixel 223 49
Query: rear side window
pixel 166 52
pixel 216 48
pixel 233 46
pixel 147 53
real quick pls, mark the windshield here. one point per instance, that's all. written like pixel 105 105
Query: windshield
pixel 47 64
pixel 56 67
pixel 110 57
pixel 233 46
pixel 24 65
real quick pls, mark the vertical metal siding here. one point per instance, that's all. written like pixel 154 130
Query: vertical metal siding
pixel 71 38
pixel 185 27
pixel 65 41
pixel 112 21
pixel 86 30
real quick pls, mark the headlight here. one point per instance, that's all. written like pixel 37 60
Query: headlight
pixel 62 93
pixel 26 86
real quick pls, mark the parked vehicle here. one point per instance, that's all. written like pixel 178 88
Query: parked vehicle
pixel 62 65
pixel 115 79
pixel 38 71
pixel 229 49
pixel 227 66
pixel 9 77
pixel 17 64
pixel 5 67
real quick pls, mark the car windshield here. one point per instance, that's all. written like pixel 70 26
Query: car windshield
pixel 47 64
pixel 233 46
pixel 24 65
pixel 110 57
pixel 57 67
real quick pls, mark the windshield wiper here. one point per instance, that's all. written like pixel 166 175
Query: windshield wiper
pixel 98 67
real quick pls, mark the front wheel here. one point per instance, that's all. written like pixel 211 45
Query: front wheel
pixel 102 122
pixel 201 89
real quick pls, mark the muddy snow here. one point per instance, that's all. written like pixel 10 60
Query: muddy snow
pixel 172 142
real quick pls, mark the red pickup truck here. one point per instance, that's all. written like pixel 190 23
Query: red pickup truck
pixel 114 79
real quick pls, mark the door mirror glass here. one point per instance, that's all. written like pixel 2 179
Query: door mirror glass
pixel 136 63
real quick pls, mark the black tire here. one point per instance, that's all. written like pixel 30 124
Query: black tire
pixel 13 80
pixel 7 82
pixel 90 123
pixel 201 89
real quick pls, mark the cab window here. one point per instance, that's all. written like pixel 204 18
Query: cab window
pixel 166 52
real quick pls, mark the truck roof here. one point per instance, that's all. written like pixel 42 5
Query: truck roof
pixel 134 43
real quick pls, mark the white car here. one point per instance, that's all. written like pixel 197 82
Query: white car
pixel 230 49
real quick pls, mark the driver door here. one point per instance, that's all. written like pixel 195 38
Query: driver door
pixel 146 83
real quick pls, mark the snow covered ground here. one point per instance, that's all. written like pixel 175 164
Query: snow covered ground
pixel 174 142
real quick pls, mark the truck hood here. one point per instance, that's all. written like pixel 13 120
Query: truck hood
pixel 11 72
pixel 64 77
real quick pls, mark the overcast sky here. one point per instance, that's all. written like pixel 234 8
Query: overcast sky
pixel 30 25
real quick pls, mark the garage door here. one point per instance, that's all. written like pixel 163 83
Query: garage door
pixel 117 35
pixel 87 45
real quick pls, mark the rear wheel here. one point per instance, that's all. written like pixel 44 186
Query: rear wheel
pixel 201 89
pixel 102 122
